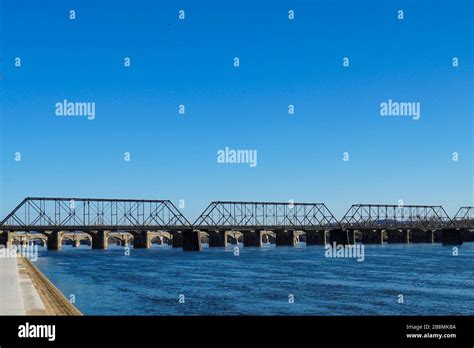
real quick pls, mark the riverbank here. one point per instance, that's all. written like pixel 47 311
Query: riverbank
pixel 25 290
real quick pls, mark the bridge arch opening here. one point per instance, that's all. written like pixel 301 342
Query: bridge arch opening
pixel 17 241
pixel 161 239
pixel 76 239
pixel 300 238
pixel 114 240
pixel 268 238
pixel 158 240
pixel 66 240
pixel 39 241
pixel 234 238
pixel 29 238
pixel 120 239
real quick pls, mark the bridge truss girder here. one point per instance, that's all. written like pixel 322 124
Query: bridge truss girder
pixel 268 215
pixel 379 216
pixel 35 213
pixel 464 218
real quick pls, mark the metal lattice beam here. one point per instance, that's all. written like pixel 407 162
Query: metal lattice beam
pixel 464 218
pixel 270 215
pixel 377 216
pixel 88 213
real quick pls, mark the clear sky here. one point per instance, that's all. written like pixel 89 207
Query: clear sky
pixel 282 62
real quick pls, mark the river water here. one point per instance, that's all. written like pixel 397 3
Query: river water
pixel 415 279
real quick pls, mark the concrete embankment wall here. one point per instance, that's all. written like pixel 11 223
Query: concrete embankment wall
pixel 25 290
pixel 54 301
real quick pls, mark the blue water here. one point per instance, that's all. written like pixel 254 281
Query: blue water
pixel 260 280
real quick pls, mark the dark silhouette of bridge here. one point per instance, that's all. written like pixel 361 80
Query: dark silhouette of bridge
pixel 53 220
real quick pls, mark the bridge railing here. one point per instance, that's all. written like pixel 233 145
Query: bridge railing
pixel 89 212
pixel 230 214
pixel 376 216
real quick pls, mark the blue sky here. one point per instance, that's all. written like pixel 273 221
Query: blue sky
pixel 282 62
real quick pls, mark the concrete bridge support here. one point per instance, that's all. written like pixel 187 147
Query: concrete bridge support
pixel 340 236
pixel 191 240
pixel 177 241
pixel 407 236
pixel 142 240
pixel 3 238
pixel 451 236
pixel 467 235
pixel 6 238
pixel 398 236
pixel 373 236
pixel 55 239
pixel 351 234
pixel 76 242
pixel 252 238
pixel 421 236
pixel 357 236
pixel 204 237
pixel 217 238
pixel 316 237
pixel 284 237
pixel 100 240
pixel 437 236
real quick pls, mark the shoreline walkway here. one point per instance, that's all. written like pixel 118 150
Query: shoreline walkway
pixel 24 290
pixel 11 299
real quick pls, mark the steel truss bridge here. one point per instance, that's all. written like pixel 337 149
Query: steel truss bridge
pixel 146 220
pixel 71 214
pixel 376 216
pixel 266 215
pixel 464 218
